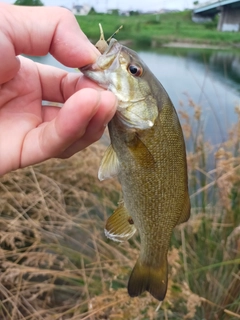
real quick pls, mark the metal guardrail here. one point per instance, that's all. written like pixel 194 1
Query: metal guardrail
pixel 213 2
pixel 204 4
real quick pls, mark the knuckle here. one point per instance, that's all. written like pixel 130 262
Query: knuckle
pixel 66 14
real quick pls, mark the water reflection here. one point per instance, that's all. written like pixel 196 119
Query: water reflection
pixel 224 64
pixel 228 65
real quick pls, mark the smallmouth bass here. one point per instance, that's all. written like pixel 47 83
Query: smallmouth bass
pixel 147 154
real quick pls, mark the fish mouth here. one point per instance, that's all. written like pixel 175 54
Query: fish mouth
pixel 114 47
pixel 105 64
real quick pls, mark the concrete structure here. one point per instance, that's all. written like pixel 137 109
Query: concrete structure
pixel 229 11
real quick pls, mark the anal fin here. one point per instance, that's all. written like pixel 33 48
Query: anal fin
pixel 120 226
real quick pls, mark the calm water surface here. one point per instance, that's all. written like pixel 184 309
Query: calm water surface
pixel 210 78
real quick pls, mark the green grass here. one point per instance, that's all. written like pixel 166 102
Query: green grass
pixel 161 28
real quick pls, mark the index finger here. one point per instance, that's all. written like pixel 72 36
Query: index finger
pixel 39 30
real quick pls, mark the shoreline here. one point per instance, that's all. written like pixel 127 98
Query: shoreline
pixel 183 45
pixel 191 45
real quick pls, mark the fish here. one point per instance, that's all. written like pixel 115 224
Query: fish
pixel 148 155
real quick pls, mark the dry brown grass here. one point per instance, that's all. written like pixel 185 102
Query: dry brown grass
pixel 55 262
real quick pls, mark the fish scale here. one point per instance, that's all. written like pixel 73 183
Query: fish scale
pixel 148 156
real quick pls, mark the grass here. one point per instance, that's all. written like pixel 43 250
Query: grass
pixel 56 263
pixel 147 29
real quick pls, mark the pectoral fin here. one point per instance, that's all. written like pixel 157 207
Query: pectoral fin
pixel 120 226
pixel 109 166
pixel 140 152
pixel 186 210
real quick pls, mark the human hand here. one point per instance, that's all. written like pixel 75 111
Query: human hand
pixel 29 132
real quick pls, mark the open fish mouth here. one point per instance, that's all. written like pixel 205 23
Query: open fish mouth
pixel 114 47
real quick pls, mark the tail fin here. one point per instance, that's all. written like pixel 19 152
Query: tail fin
pixel 145 277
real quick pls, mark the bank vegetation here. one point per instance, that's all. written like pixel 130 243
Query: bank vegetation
pixel 55 262
pixel 158 29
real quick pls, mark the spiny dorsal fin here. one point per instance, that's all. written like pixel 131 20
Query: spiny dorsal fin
pixel 120 226
pixel 109 166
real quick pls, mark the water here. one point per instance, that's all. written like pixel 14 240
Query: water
pixel 210 78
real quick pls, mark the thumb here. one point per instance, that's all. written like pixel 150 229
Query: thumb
pixel 11 63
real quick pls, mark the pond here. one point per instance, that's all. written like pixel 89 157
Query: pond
pixel 210 78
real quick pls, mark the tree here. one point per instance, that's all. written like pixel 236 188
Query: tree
pixel 133 13
pixel 92 11
pixel 28 3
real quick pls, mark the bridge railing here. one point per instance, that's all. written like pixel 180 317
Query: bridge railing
pixel 204 4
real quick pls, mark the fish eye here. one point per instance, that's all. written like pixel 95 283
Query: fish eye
pixel 135 70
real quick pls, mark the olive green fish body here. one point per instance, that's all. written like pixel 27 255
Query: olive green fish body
pixel 147 153
pixel 155 192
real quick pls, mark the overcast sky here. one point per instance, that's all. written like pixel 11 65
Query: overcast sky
pixel 102 5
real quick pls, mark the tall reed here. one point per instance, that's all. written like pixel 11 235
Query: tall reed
pixel 55 262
